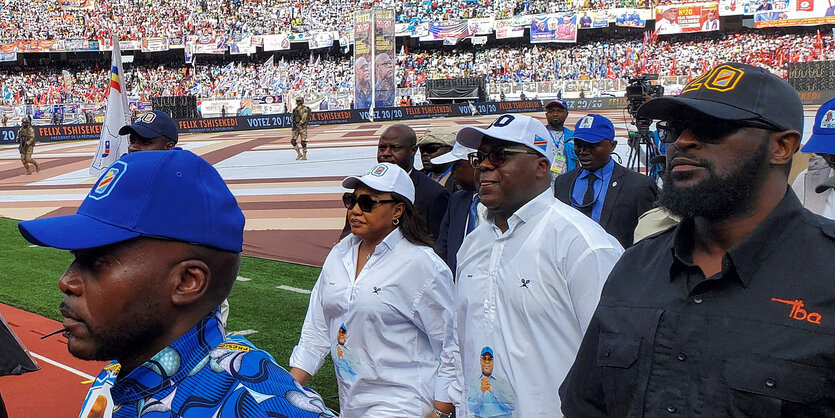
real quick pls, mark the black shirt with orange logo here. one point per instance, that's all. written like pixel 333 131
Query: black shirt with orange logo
pixel 756 339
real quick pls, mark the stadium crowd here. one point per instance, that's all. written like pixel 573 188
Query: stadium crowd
pixel 332 74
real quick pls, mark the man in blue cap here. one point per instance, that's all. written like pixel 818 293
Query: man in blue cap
pixel 815 187
pixel 602 189
pixel 154 130
pixel 156 246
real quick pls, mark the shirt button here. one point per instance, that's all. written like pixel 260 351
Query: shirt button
pixel 770 382
pixel 608 352
pixel 681 357
pixel 671 409
pixel 697 299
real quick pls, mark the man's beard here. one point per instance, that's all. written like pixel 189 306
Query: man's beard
pixel 717 197
pixel 556 124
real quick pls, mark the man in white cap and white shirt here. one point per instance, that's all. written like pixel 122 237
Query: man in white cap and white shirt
pixel 529 276
pixel 464 208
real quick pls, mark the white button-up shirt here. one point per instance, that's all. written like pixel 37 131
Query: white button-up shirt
pixel 528 294
pixel 397 317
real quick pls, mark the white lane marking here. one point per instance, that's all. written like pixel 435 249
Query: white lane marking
pixel 293 289
pixel 62 366
pixel 242 279
pixel 34 246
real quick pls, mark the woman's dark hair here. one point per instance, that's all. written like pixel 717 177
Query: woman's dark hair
pixel 412 225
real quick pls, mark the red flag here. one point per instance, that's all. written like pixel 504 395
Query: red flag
pixel 818 50
pixel 609 73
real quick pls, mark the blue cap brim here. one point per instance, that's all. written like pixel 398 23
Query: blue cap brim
pixel 590 138
pixel 73 232
pixel 820 143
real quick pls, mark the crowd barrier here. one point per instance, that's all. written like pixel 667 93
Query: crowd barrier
pixel 52 133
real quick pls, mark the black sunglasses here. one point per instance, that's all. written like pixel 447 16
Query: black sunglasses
pixel 711 130
pixel 496 156
pixel 365 201
pixel 431 148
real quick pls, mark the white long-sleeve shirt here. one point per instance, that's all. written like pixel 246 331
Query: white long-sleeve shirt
pixel 397 314
pixel 528 294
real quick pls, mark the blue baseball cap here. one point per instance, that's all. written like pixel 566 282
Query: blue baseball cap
pixel 487 350
pixel 822 140
pixel 151 125
pixel 594 128
pixel 173 195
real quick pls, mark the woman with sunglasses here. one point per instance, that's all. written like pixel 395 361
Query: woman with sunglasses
pixel 382 307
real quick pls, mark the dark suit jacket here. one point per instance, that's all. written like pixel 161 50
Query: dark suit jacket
pixel 452 228
pixel 431 200
pixel 629 195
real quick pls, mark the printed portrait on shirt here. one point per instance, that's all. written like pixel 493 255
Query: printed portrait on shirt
pixel 488 395
pixel 344 359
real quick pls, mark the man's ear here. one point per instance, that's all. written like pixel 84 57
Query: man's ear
pixel 190 281
pixel 783 146
pixel 543 168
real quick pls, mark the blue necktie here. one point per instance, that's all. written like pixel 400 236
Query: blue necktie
pixel 472 218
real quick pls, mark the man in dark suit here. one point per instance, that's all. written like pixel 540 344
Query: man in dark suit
pixel 601 188
pixel 462 213
pixel 398 145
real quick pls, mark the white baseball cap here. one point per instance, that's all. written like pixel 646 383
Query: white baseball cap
pixel 521 129
pixel 459 152
pixel 384 177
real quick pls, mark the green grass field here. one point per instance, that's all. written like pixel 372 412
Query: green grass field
pixel 31 283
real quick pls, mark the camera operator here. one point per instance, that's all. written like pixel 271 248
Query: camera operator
pixel 643 131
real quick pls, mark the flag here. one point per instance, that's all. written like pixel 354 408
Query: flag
pixel 112 145
pixel 818 50
pixel 270 62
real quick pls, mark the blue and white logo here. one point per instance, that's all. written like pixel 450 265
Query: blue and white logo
pixel 107 181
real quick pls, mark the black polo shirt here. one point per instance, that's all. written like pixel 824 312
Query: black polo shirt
pixel 756 339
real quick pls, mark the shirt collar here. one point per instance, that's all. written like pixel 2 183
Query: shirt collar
pixel 389 242
pixel 601 172
pixel 759 245
pixel 534 208
pixel 173 364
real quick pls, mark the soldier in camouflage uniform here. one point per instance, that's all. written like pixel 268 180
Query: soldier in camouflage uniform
pixel 26 138
pixel 301 118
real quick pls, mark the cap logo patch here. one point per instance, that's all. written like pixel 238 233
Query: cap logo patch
pixel 502 121
pixel 108 180
pixel 540 142
pixel 586 122
pixel 379 171
pixel 828 120
pixel 148 117
pixel 722 78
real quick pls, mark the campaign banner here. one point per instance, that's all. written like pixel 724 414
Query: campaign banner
pixel 449 29
pixel 691 17
pixel 595 19
pixel 50 133
pixel 480 26
pixel 36 46
pixel 555 27
pixel 76 4
pixel 362 59
pixel 749 7
pixel 8 56
pixel 384 84
pixel 207 44
pixel 276 42
pixel 79 45
pixel 631 18
pixel 241 45
pixel 508 29
pixel 320 40
pixel 798 13
pixel 153 44
pixel 176 42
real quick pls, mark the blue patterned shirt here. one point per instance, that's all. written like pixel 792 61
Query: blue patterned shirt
pixel 203 374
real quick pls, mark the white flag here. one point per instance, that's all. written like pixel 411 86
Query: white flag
pixel 112 145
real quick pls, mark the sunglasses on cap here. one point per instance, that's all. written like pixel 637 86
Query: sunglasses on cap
pixel 496 156
pixel 711 130
pixel 365 201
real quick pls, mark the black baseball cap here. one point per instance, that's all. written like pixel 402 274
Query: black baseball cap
pixel 151 125
pixel 733 91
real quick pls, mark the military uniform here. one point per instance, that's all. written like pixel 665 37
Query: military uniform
pixel 26 139
pixel 301 118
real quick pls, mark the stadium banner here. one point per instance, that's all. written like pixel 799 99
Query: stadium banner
pixel 362 59
pixel 241 45
pixel 276 42
pixel 595 19
pixel 448 29
pixel 52 133
pixel 176 42
pixel 207 44
pixel 384 87
pixel 798 13
pixel 154 44
pixel 749 7
pixel 555 27
pixel 421 31
pixel 346 37
pixel 36 46
pixel 258 40
pixel 480 26
pixel 320 40
pixel 76 4
pixel 8 56
pixel 78 45
pixel 631 18
pixel 691 17
pixel 508 29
